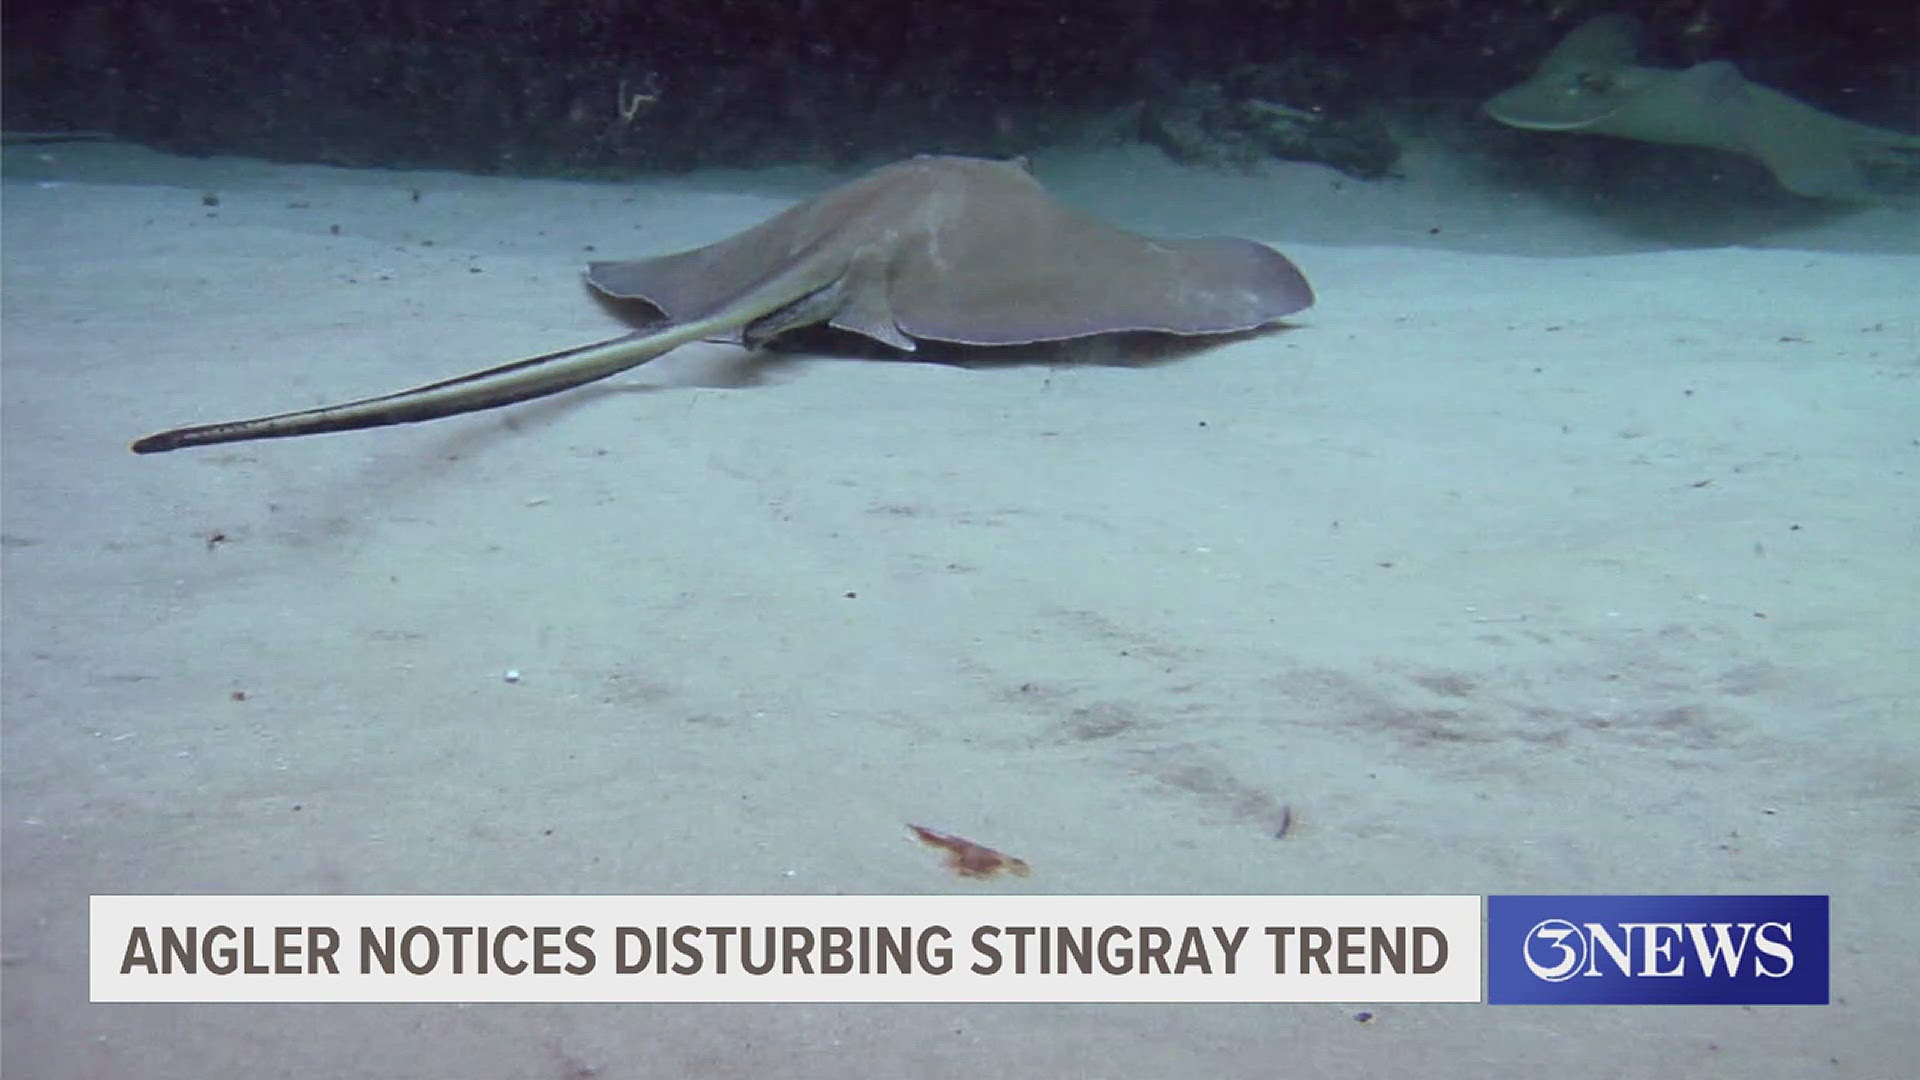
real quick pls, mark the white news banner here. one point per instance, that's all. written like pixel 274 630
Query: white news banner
pixel 786 948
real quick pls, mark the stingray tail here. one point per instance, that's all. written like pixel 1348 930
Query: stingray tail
pixel 521 380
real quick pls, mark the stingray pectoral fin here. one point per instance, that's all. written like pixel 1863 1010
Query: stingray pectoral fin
pixel 521 380
pixel 1604 41
pixel 1820 155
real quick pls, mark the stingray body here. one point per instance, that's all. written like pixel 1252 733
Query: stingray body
pixel 1592 82
pixel 943 249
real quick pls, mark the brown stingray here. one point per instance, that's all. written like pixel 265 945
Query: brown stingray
pixel 932 249
pixel 1592 82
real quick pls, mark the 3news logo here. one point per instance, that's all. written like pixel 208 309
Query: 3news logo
pixel 1657 950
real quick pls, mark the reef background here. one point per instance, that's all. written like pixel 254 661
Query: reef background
pixel 586 87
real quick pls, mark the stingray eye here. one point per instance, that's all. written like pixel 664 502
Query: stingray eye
pixel 1593 82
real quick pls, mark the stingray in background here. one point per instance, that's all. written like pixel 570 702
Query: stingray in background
pixel 1591 82
pixel 945 249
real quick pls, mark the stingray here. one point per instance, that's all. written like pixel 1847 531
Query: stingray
pixel 936 249
pixel 1592 82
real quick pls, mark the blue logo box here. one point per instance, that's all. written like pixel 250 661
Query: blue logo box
pixel 1657 950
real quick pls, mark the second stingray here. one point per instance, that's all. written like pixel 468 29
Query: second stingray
pixel 945 249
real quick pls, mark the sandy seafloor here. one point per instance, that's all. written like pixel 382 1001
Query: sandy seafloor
pixel 1564 546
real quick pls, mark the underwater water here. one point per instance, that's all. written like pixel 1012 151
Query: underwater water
pixel 1565 544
